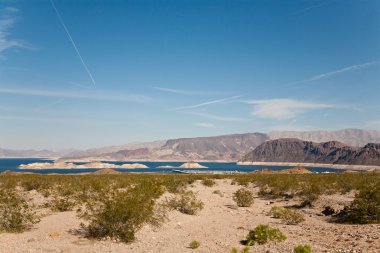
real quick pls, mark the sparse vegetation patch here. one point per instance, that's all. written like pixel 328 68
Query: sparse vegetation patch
pixel 243 197
pixel 16 215
pixel 303 249
pixel 185 202
pixel 288 216
pixel 263 234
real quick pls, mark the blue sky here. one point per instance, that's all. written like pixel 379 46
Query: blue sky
pixel 92 73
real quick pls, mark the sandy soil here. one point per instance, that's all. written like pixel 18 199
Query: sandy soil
pixel 219 227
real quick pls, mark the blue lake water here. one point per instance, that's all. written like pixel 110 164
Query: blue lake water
pixel 13 164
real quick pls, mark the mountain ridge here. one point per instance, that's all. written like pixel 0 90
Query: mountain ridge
pixel 229 147
pixel 291 150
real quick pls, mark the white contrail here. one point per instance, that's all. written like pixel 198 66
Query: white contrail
pixel 72 42
pixel 217 101
pixel 335 72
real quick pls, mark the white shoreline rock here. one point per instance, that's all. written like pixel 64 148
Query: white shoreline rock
pixel 192 165
pixel 91 165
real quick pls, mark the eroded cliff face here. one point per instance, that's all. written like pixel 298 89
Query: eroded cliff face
pixel 298 151
pixel 224 147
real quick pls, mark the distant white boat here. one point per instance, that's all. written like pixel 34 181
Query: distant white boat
pixel 179 171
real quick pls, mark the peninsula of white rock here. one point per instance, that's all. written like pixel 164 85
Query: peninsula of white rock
pixel 192 165
pixel 91 165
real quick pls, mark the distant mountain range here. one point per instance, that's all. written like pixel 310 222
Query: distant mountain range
pixel 27 153
pixel 299 151
pixel 225 147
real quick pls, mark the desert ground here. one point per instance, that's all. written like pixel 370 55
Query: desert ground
pixel 219 227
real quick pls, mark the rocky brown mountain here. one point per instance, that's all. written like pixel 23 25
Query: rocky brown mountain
pixel 299 151
pixel 351 137
pixel 224 147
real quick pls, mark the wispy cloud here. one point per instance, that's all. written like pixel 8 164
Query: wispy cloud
pixel 73 43
pixel 95 95
pixel 81 85
pixel 216 117
pixel 54 119
pixel 184 92
pixel 6 23
pixel 313 7
pixel 205 125
pixel 10 9
pixel 211 102
pixel 284 108
pixel 335 72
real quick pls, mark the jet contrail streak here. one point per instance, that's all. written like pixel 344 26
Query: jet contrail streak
pixel 72 42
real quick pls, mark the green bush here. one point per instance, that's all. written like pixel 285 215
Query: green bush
pixel 61 204
pixel 263 234
pixel 208 182
pixel 303 249
pixel 185 202
pixel 30 185
pixel 244 250
pixel 310 193
pixel 288 216
pixel 366 206
pixel 119 214
pixel 243 197
pixel 277 211
pixel 15 213
pixel 194 245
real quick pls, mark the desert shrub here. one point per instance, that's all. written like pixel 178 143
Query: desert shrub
pixel 194 245
pixel 366 206
pixel 15 213
pixel 7 182
pixel 208 182
pixel 243 197
pixel 244 250
pixel 241 180
pixel 30 185
pixel 276 186
pixel 175 185
pixel 218 192
pixel 186 202
pixel 263 234
pixel 310 193
pixel 288 216
pixel 266 191
pixel 277 211
pixel 303 249
pixel 61 204
pixel 119 214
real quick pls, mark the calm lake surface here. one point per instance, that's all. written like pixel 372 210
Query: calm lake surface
pixel 13 164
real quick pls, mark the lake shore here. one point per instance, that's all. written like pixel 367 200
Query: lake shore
pixel 315 165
